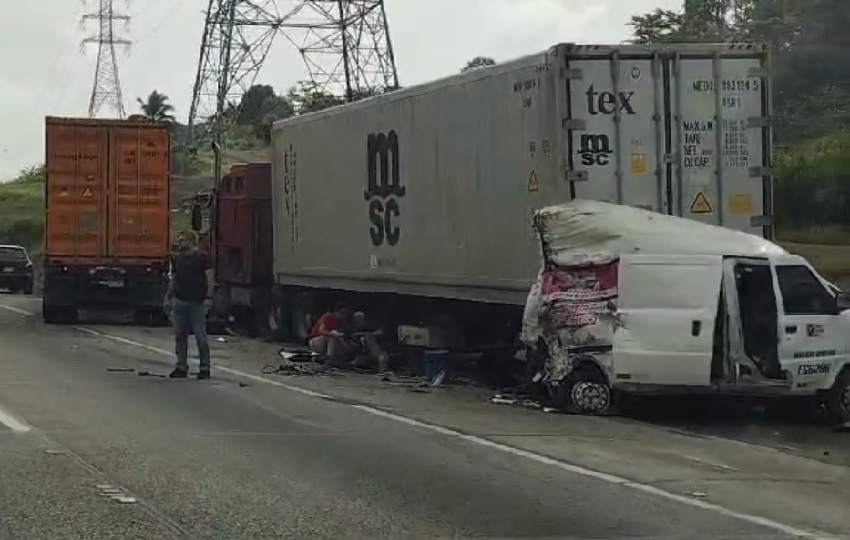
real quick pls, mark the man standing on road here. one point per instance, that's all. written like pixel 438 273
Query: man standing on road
pixel 190 295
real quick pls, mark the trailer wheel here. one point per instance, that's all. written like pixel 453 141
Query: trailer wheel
pixel 58 314
pixel 276 321
pixel 586 391
pixel 838 400
pixel 48 314
pixel 148 316
pixel 303 316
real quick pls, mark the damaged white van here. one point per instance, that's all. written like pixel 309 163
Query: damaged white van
pixel 631 301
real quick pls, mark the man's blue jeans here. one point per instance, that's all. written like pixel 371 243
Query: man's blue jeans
pixel 190 317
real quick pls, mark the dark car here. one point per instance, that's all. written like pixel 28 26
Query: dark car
pixel 16 272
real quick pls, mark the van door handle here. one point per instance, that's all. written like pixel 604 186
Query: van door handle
pixel 791 329
pixel 696 328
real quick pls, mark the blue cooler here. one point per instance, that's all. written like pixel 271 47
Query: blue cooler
pixel 435 362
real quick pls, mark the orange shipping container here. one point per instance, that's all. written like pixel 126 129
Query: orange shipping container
pixel 106 233
pixel 107 191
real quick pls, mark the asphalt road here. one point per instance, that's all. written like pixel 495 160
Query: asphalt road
pixel 88 452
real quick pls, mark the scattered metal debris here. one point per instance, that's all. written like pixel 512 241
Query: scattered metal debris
pixel 287 367
pixel 146 373
pixel 520 401
pixel 116 493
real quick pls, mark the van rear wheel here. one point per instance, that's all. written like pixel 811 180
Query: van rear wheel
pixel 838 400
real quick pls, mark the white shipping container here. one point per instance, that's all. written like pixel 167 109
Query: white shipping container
pixel 430 190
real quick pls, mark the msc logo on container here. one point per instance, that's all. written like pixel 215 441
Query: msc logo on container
pixel 384 189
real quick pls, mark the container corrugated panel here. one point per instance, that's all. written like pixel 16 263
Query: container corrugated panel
pixel 76 190
pixel 430 190
pixel 107 190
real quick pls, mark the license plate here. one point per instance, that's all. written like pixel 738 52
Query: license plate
pixel 820 368
pixel 114 284
pixel 9 269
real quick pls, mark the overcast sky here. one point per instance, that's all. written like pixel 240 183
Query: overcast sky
pixel 44 72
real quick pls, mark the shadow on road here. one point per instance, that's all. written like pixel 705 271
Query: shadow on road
pixel 788 426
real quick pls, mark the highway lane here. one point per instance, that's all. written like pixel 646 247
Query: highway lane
pixel 227 460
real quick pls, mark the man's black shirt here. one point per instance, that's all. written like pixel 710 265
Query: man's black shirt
pixel 189 276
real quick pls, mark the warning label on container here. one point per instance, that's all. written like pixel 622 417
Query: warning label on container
pixel 533 182
pixel 700 204
pixel 638 162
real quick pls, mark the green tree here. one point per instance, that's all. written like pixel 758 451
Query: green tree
pixel 156 107
pixel 478 62
pixel 307 97
pixel 699 21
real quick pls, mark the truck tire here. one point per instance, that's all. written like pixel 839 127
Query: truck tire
pixel 303 316
pixel 148 316
pixel 585 391
pixel 838 399
pixel 48 314
pixel 59 314
pixel 276 320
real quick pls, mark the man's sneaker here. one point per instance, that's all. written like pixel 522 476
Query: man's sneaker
pixel 178 373
pixel 203 375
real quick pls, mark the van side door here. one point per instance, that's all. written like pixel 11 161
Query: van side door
pixel 667 309
pixel 811 337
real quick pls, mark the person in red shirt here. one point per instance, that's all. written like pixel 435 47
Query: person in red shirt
pixel 343 338
pixel 329 336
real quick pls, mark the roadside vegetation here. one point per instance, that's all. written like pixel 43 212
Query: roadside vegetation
pixel 811 55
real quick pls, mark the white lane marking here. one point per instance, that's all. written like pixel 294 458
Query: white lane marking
pixel 5 418
pixel 512 450
pixel 710 463
pixel 231 371
pixel 13 423
pixel 17 310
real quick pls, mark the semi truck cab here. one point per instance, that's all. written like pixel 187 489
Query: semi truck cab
pixel 234 223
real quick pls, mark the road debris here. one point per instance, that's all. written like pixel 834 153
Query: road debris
pixel 520 401
pixel 297 362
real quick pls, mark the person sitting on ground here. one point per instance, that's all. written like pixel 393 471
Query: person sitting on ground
pixel 328 336
pixel 343 339
pixel 368 352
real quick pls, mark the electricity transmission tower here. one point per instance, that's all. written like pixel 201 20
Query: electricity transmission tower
pixel 344 45
pixel 107 84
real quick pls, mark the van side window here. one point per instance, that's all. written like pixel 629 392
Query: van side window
pixel 802 292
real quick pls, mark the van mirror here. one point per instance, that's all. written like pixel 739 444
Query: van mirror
pixel 196 218
pixel 842 301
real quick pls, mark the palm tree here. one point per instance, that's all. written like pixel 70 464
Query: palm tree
pixel 156 107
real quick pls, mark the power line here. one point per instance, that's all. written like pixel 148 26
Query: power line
pixel 107 83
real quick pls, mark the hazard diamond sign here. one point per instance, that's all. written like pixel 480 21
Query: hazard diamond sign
pixel 700 204
pixel 533 182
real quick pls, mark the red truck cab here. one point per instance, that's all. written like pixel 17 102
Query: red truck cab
pixel 235 227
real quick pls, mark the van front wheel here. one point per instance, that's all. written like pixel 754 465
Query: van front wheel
pixel 586 391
